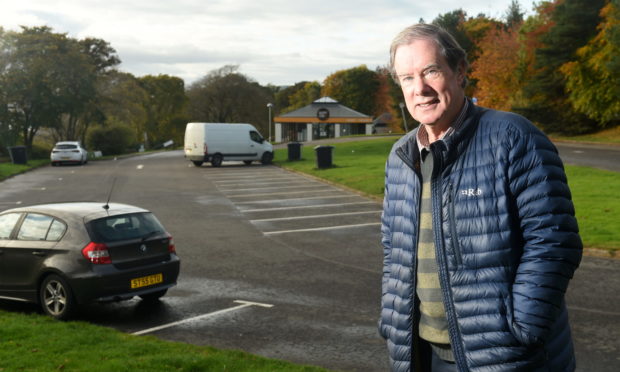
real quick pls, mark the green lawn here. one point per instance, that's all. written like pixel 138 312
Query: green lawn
pixel 360 166
pixel 31 342
pixel 8 169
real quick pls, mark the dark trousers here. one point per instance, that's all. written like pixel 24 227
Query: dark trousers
pixel 440 365
pixel 429 361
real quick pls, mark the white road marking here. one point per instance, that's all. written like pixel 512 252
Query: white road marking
pixel 242 305
pixel 275 185
pixel 313 216
pixel 140 166
pixel 17 203
pixel 253 179
pixel 577 308
pixel 279 193
pixel 304 206
pixel 308 198
pixel 322 228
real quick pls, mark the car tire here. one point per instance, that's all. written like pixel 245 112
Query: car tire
pixel 154 296
pixel 56 298
pixel 267 158
pixel 197 163
pixel 247 162
pixel 216 160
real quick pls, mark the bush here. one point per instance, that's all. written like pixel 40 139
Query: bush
pixel 115 139
pixel 40 150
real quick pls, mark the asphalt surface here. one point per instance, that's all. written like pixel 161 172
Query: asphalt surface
pixel 304 257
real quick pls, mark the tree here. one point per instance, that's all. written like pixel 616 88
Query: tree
pixel 123 100
pixel 226 96
pixel 165 106
pixel 355 87
pixel 574 23
pixel 32 79
pixel 514 15
pixel 282 96
pixel 593 79
pixel 49 80
pixel 495 69
pixel 310 92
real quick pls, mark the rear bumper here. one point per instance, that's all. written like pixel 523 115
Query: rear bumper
pixel 106 283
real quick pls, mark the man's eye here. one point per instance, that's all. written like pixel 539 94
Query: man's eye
pixel 432 73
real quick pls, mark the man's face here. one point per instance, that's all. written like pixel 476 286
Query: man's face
pixel 432 91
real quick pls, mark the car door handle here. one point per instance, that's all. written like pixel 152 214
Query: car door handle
pixel 38 253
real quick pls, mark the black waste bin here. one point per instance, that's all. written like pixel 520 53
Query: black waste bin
pixel 323 156
pixel 294 151
pixel 18 154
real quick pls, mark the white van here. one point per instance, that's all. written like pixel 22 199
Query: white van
pixel 217 142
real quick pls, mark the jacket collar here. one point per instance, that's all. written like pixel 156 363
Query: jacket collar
pixel 449 147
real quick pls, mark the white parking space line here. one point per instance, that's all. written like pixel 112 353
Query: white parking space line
pixel 11 203
pixel 321 228
pixel 308 198
pixel 140 166
pixel 279 193
pixel 252 177
pixel 305 184
pixel 313 216
pixel 254 180
pixel 242 305
pixel 305 206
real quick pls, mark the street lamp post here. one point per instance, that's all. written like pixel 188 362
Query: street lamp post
pixel 402 110
pixel 269 106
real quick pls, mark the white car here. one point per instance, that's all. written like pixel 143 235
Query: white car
pixel 69 152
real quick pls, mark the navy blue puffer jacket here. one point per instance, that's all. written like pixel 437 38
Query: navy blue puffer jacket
pixel 506 240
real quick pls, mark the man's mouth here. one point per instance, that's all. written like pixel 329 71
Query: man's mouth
pixel 429 103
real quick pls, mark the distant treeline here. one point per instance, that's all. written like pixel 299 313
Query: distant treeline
pixel 559 66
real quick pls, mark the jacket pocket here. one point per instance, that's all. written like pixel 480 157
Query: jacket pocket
pixel 456 248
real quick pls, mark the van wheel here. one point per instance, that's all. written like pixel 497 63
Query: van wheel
pixel 56 298
pixel 267 158
pixel 247 162
pixel 197 163
pixel 216 160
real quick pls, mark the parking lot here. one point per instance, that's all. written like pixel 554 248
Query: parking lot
pixel 274 263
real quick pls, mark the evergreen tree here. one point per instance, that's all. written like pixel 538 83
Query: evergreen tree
pixel 574 24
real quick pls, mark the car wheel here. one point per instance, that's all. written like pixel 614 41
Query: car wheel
pixel 267 158
pixel 197 163
pixel 216 160
pixel 153 297
pixel 56 298
pixel 247 162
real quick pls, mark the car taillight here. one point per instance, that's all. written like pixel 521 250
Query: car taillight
pixel 75 150
pixel 171 247
pixel 97 253
pixel 206 149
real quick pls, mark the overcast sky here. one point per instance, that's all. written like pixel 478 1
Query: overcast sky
pixel 277 42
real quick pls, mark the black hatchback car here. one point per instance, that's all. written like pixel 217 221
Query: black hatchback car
pixel 66 254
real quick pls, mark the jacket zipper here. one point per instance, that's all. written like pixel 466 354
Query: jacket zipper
pixel 455 336
pixel 455 239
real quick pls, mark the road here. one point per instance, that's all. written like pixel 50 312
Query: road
pixel 303 256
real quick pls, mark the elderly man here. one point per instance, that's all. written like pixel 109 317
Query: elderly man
pixel 478 228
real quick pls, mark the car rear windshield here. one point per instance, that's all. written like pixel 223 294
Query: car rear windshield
pixel 66 147
pixel 125 227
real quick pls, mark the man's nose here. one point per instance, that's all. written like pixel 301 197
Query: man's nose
pixel 420 87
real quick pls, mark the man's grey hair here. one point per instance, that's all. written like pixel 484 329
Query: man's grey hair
pixel 448 46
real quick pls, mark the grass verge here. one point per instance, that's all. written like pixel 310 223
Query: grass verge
pixel 360 166
pixel 9 169
pixel 31 342
pixel 611 135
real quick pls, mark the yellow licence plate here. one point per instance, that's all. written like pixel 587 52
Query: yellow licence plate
pixel 145 281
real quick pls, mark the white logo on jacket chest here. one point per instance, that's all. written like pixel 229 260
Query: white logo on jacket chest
pixel 471 192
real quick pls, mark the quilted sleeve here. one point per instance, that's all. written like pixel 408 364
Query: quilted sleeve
pixel 552 247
